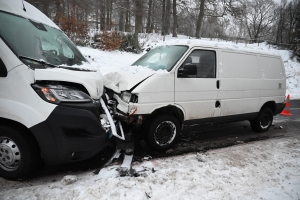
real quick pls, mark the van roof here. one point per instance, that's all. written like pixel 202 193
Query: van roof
pixel 16 7
pixel 221 45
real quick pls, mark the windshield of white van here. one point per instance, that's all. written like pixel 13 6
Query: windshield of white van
pixel 164 57
pixel 36 44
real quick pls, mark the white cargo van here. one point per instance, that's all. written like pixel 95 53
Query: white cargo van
pixel 203 84
pixel 49 108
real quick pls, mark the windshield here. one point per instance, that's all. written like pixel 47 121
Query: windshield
pixel 164 57
pixel 36 44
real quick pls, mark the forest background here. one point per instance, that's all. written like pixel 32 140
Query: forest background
pixel 249 21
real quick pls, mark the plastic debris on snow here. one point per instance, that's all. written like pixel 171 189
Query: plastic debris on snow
pixel 69 179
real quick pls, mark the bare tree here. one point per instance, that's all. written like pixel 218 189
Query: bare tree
pixel 138 16
pixel 174 19
pixel 102 15
pixel 127 16
pixel 168 17
pixel 148 28
pixel 200 19
pixel 291 20
pixel 259 18
pixel 163 17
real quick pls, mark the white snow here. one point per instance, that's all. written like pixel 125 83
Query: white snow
pixel 260 170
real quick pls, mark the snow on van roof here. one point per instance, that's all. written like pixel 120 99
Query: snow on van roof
pixel 219 44
pixel 32 13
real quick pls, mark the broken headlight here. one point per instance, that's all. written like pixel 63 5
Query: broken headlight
pixel 129 97
pixel 58 93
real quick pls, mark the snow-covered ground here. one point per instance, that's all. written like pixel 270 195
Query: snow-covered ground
pixel 112 61
pixel 259 170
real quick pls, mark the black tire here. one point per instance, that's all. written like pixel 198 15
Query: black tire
pixel 163 132
pixel 19 154
pixel 263 121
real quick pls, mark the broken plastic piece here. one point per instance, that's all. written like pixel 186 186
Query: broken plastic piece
pixel 125 147
pixel 111 121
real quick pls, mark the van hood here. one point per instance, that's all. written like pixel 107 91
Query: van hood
pixel 92 81
pixel 122 81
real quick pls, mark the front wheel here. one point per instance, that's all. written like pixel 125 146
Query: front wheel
pixel 163 132
pixel 19 156
pixel 263 121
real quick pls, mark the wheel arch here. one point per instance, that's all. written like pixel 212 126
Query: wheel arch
pixel 172 110
pixel 270 104
pixel 19 126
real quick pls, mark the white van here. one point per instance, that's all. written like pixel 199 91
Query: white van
pixel 49 102
pixel 203 84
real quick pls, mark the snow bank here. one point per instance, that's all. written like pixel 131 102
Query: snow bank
pixel 260 170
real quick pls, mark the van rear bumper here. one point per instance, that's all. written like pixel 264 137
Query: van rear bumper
pixel 279 108
pixel 69 135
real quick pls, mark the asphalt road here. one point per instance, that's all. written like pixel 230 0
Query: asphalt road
pixel 195 138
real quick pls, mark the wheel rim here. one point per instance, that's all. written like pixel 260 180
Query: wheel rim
pixel 165 133
pixel 265 121
pixel 10 155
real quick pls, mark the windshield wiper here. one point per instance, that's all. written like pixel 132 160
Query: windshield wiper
pixel 44 63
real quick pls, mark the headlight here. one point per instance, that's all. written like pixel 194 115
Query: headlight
pixel 58 93
pixel 128 97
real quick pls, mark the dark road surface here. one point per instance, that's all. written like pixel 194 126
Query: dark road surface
pixel 195 138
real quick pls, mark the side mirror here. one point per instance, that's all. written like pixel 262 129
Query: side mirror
pixel 187 70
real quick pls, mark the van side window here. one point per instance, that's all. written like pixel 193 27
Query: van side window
pixel 205 60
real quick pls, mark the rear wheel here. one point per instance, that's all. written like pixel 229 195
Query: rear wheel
pixel 19 156
pixel 263 121
pixel 163 132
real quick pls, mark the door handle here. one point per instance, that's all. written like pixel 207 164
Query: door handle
pixel 218 84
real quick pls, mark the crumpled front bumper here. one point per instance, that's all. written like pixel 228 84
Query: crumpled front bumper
pixel 70 134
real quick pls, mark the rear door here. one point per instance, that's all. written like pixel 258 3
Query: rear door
pixel 197 94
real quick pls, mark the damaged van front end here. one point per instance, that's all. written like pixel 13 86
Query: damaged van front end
pixel 119 93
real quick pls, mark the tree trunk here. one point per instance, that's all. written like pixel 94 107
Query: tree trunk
pixel 200 19
pixel 163 17
pixel 110 14
pixel 127 17
pixel 58 11
pixel 45 7
pixel 107 15
pixel 102 15
pixel 121 20
pixel 148 29
pixel 138 17
pixel 174 19
pixel 168 17
pixel 97 14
